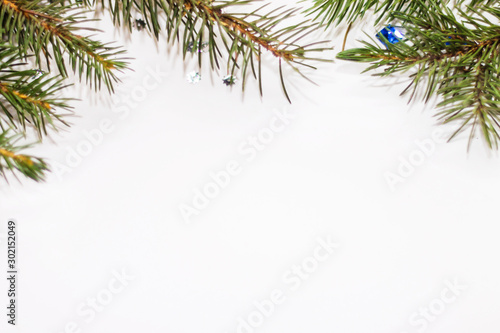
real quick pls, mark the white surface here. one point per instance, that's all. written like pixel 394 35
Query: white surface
pixel 322 176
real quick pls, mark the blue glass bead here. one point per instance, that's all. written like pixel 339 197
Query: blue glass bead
pixel 391 34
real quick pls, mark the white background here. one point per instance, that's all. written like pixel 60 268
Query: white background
pixel 322 176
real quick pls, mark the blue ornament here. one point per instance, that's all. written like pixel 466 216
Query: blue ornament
pixel 392 34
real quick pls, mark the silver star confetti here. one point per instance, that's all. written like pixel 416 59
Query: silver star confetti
pixel 229 80
pixel 194 77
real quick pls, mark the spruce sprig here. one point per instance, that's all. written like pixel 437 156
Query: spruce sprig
pixel 451 52
pixel 28 100
pixel 12 161
pixel 238 36
pixel 29 97
pixel 334 12
pixel 49 34
pixel 52 34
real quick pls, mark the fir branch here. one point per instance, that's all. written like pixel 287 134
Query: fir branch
pixel 245 36
pixel 335 11
pixel 25 100
pixel 330 12
pixel 455 56
pixel 11 160
pixel 474 100
pixel 49 31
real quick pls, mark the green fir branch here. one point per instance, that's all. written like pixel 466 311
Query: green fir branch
pixel 12 161
pixel 334 12
pixel 50 32
pixel 455 56
pixel 245 37
pixel 27 100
